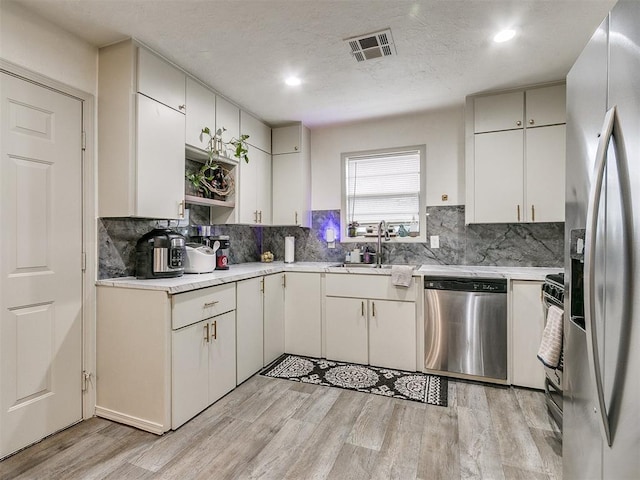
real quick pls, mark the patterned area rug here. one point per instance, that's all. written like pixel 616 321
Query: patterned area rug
pixel 419 387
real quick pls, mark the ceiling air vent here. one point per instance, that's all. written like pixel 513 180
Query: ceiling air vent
pixel 372 45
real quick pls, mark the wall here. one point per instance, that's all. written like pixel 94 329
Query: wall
pixel 36 44
pixel 441 130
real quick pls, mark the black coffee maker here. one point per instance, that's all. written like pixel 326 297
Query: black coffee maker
pixel 160 253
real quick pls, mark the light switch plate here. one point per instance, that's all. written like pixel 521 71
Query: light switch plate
pixel 434 241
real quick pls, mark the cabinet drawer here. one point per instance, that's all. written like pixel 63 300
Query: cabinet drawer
pixel 191 307
pixel 368 286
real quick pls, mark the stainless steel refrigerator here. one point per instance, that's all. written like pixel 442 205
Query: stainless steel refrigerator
pixel 601 418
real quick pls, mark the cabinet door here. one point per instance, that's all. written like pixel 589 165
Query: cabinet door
pixel 498 177
pixel 544 174
pixel 287 139
pixel 263 186
pixel 273 317
pixel 259 133
pixel 527 324
pixel 289 195
pixel 392 334
pixel 250 337
pixel 346 330
pixel 222 355
pixel 160 160
pixel 201 112
pixel 546 106
pixel 190 372
pixel 160 80
pixel 498 112
pixel 227 117
pixel 254 188
pixel 302 314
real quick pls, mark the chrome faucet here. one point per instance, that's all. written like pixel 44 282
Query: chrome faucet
pixel 386 238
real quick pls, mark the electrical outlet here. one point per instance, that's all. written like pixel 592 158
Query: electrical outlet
pixel 434 241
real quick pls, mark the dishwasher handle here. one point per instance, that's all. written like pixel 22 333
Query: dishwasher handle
pixel 466 284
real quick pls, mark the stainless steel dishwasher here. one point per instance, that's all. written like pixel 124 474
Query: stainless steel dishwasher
pixel 465 327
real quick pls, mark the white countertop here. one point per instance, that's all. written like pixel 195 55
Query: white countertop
pixel 249 270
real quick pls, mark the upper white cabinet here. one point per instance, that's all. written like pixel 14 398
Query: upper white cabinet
pixel 498 112
pixel 160 80
pixel 141 130
pixel 255 188
pixel 201 112
pixel 259 133
pixel 227 118
pixel 516 156
pixel 291 176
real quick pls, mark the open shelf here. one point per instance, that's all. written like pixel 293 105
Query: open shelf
pixel 202 156
pixel 209 202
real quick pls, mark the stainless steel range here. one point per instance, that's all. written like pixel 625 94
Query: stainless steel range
pixel 553 294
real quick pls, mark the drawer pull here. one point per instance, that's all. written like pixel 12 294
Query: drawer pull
pixel 210 304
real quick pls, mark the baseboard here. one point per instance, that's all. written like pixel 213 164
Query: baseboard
pixel 136 422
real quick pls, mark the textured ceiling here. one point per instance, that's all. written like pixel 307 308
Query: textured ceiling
pixel 245 48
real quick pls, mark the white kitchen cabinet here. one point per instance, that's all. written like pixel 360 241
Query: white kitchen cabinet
pixel 259 133
pixel 504 111
pixel 273 317
pixel 545 174
pixel 222 355
pixel 292 176
pixel 527 325
pixel 370 321
pixel 156 367
pixel 287 139
pixel 227 118
pixel 255 188
pixel 346 334
pixel 200 113
pixel 303 314
pixel 142 139
pixel 250 314
pixel 392 334
pixel 546 106
pixel 516 168
pixel 190 371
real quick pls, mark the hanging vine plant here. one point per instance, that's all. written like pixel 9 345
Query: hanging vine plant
pixel 213 179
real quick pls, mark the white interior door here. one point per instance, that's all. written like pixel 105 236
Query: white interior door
pixel 40 263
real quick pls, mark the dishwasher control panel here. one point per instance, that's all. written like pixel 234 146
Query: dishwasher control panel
pixel 467 284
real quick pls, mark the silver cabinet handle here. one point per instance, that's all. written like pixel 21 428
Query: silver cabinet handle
pixel 181 107
pixel 210 304
pixel 214 333
pixel 296 222
pixel 518 210
pixel 260 218
pixel 610 129
pixel 181 207
pixel 362 308
pixel 373 308
pixel 533 213
pixel 531 122
pixel 518 123
pixel 206 332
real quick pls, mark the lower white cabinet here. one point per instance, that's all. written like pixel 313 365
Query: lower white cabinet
pixel 260 314
pixel 273 317
pixel 161 359
pixel 303 314
pixel 373 332
pixel 527 324
pixel 379 329
pixel 203 365
pixel 250 336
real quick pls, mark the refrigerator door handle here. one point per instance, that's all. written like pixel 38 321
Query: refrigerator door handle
pixel 589 261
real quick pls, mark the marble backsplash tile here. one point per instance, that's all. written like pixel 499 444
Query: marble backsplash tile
pixel 525 245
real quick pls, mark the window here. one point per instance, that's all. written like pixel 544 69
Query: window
pixel 384 185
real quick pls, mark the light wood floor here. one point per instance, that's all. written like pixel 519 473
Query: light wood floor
pixel 278 429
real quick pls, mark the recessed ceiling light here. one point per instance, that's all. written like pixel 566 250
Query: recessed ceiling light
pixel 504 35
pixel 293 81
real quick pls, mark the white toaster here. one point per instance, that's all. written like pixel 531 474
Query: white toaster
pixel 200 259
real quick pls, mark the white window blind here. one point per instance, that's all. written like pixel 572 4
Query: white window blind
pixel 383 187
